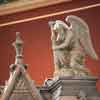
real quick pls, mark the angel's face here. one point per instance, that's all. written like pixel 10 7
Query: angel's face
pixel 59 31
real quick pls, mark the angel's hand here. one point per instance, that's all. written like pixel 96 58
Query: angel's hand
pixel 51 23
pixel 55 47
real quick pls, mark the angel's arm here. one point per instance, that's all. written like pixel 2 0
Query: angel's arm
pixel 51 24
pixel 66 41
pixel 53 36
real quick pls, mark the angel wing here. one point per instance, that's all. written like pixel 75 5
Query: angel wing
pixel 81 29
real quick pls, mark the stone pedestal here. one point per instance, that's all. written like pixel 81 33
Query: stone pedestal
pixel 67 88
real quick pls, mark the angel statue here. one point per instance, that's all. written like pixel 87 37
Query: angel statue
pixel 71 42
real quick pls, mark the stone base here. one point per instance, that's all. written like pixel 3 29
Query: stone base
pixel 69 88
pixel 66 88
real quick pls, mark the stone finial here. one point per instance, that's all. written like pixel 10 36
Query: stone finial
pixel 18 44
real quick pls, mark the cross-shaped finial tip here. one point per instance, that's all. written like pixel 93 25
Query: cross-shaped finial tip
pixel 17 34
pixel 18 44
pixel 18 39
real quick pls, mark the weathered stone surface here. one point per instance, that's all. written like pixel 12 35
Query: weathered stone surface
pixel 70 45
pixel 20 86
pixel 74 88
pixel 62 89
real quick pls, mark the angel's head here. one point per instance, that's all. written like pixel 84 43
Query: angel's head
pixel 61 29
pixel 60 26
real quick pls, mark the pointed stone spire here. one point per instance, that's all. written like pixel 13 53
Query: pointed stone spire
pixel 20 86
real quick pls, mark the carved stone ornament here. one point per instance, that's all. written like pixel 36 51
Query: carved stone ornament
pixel 20 86
pixel 71 42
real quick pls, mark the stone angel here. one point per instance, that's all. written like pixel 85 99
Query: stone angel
pixel 70 43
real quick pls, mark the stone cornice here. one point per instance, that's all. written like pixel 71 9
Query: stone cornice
pixel 24 5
